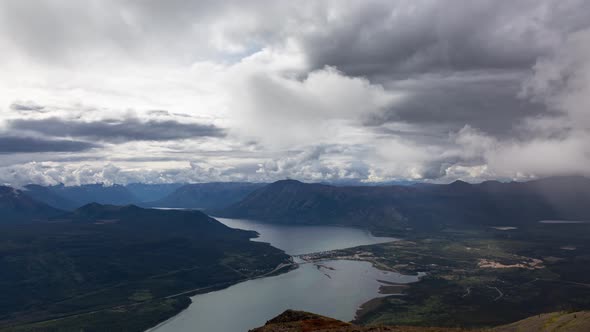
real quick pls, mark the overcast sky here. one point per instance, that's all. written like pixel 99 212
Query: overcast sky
pixel 193 91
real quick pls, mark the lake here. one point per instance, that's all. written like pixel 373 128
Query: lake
pixel 334 288
pixel 564 222
pixel 297 240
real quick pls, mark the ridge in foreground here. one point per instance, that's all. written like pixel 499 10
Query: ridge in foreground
pixel 300 321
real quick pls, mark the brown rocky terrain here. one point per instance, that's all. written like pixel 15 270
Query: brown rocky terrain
pixel 300 321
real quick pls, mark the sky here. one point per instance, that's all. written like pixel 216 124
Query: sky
pixel 105 91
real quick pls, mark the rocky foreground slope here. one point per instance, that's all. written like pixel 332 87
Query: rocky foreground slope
pixel 299 321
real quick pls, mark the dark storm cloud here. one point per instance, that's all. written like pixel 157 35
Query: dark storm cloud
pixel 457 62
pixel 15 144
pixel 129 129
pixel 487 102
pixel 385 38
pixel 370 38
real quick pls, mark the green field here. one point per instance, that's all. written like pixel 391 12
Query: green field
pixel 481 277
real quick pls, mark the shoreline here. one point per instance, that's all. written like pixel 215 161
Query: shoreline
pixel 387 289
pixel 181 300
pixel 280 269
pixel 376 232
pixel 286 268
pixel 293 263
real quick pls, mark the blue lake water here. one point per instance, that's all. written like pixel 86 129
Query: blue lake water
pixel 297 240
pixel 335 288
pixel 565 221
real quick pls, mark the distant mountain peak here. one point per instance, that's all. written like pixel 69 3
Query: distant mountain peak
pixel 94 208
pixel 210 195
pixel 288 182
pixel 459 183
pixel 16 205
pixel 107 207
pixel 5 190
pixel 92 205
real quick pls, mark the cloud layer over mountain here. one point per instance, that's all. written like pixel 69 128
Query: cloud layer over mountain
pixel 152 91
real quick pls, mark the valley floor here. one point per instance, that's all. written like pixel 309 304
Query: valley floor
pixel 478 278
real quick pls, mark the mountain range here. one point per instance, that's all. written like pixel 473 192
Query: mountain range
pixel 213 195
pixel 490 203
pixel 71 197
pixel 380 208
pixel 17 206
